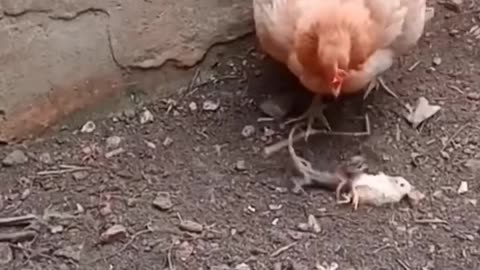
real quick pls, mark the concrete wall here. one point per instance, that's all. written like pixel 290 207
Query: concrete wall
pixel 59 56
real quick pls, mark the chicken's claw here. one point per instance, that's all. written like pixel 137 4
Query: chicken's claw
pixel 314 111
pixel 355 199
pixel 346 198
pixel 377 83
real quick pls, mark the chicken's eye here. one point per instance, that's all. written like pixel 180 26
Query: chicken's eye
pixel 402 185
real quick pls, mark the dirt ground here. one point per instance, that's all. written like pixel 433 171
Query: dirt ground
pixel 197 164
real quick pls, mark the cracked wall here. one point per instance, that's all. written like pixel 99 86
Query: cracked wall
pixel 58 56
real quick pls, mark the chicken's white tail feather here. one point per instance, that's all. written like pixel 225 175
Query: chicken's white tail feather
pixel 403 19
pixel 275 19
pixel 413 26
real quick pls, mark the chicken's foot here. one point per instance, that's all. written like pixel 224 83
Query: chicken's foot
pixel 269 150
pixel 338 190
pixel 355 199
pixel 345 199
pixel 314 111
pixel 376 84
pixel 350 198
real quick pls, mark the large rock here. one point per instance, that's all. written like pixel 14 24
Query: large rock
pixel 59 56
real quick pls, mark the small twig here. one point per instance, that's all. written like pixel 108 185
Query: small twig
pixel 20 220
pixel 191 88
pixel 381 248
pixel 431 221
pixel 67 166
pixel 453 87
pixel 269 150
pixel 403 264
pixel 412 67
pixel 65 169
pixel 265 119
pixel 169 257
pixel 123 248
pixel 282 249
pixel 20 236
pixel 454 136
pixel 179 217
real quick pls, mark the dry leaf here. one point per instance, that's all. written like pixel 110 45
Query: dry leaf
pixel 423 110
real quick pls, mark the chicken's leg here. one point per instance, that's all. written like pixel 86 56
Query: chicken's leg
pixel 346 198
pixel 314 111
pixel 376 83
pixel 355 199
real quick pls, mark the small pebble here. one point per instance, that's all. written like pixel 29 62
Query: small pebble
pixel 209 105
pixel 6 254
pixel 17 157
pixel 113 142
pixel 191 226
pixel 304 227
pixel 163 201
pixel 88 127
pixel 115 152
pixel 150 144
pixel 184 250
pixel 274 207
pixel 313 224
pixel 80 209
pixel 463 188
pixel 242 266
pixel 45 158
pixel 105 208
pixel 437 61
pixel 167 142
pixel 131 202
pixel 113 233
pixel 146 117
pixel 473 96
pixel 240 165
pixel 193 106
pixel 248 131
pixel 25 194
pixel 80 175
pixel 56 229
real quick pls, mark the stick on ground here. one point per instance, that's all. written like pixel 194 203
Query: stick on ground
pixel 17 221
pixel 20 236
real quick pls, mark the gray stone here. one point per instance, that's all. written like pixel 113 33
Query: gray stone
pixel 6 254
pixel 17 157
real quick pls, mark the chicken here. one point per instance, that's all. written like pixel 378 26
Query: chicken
pixel 337 47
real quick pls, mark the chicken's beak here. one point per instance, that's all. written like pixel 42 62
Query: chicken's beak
pixel 337 82
pixel 337 87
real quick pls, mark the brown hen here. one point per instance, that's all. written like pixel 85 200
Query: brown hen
pixel 337 47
